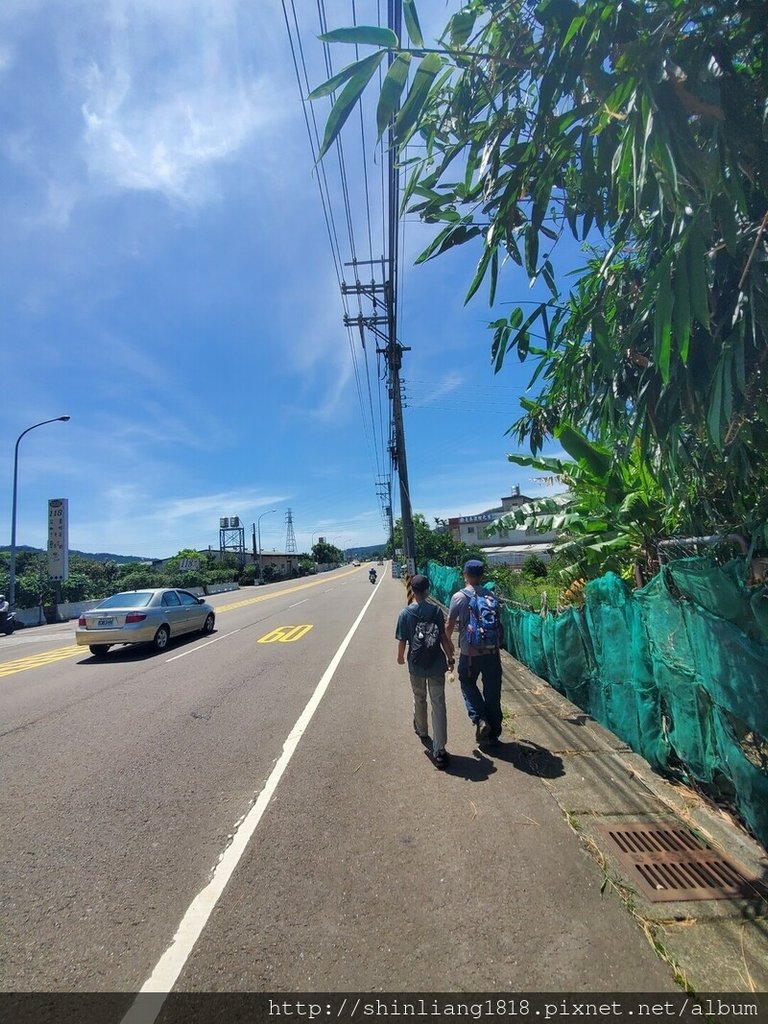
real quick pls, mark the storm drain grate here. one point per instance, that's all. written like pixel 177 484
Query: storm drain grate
pixel 667 862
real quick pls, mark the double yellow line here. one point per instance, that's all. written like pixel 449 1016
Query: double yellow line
pixel 10 668
pixel 280 593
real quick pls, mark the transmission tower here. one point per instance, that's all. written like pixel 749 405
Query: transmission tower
pixel 290 539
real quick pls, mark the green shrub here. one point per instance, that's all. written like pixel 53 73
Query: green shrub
pixel 534 568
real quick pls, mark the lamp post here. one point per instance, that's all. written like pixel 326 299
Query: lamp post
pixel 12 566
pixel 258 530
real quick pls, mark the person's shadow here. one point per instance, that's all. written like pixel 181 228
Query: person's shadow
pixel 528 757
pixel 473 769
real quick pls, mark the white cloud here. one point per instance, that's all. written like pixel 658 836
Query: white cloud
pixel 245 502
pixel 439 390
pixel 171 96
pixel 129 514
pixel 6 58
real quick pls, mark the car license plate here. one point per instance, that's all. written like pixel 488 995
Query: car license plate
pixel 105 622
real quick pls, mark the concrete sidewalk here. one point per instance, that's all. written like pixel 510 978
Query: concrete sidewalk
pixel 597 780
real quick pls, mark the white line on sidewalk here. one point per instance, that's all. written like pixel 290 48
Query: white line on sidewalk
pixel 171 963
pixel 201 646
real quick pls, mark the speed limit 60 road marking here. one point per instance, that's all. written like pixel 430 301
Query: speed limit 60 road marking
pixel 284 634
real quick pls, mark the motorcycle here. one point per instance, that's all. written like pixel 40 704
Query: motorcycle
pixel 372 576
pixel 8 622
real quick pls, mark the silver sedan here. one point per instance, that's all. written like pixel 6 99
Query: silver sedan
pixel 143 617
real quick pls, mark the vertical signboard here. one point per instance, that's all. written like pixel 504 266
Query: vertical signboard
pixel 58 538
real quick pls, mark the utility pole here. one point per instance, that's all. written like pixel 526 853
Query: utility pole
pixel 383 322
pixel 393 354
pixel 394 351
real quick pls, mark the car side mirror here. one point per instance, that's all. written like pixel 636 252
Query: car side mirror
pixel 201 600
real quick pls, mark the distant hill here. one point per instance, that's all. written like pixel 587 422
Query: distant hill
pixel 366 552
pixel 99 556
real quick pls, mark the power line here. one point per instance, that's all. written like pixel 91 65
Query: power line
pixel 302 78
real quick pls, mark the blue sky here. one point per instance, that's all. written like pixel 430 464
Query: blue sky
pixel 167 281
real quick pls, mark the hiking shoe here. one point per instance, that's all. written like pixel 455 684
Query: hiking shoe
pixel 483 730
pixel 441 759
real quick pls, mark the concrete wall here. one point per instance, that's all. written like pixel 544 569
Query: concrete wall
pixel 65 612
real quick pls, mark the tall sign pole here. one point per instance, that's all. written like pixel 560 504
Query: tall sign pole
pixel 58 542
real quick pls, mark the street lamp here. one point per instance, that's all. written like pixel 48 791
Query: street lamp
pixel 12 566
pixel 258 530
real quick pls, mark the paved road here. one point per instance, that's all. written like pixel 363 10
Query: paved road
pixel 125 778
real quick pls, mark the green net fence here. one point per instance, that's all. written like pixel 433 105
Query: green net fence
pixel 678 670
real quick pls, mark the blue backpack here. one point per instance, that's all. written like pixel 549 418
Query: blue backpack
pixel 483 628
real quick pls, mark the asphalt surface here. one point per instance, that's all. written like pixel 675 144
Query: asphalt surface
pixel 125 778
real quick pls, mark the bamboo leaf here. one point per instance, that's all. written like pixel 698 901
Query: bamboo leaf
pixel 739 369
pixel 499 346
pixel 412 23
pixel 681 314
pixel 727 385
pixel 482 266
pixel 454 234
pixel 515 318
pixel 576 25
pixel 714 415
pixel 522 341
pixel 350 94
pixel 460 27
pixel 727 220
pixel 391 90
pixel 549 276
pixel 334 83
pixel 697 275
pixel 422 82
pixel 663 324
pixel 494 276
pixel 362 35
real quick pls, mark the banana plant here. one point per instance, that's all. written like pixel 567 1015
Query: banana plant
pixel 612 513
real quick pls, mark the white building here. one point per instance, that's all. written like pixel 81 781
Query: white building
pixel 504 547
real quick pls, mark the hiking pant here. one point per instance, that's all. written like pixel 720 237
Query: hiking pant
pixel 486 705
pixel 436 687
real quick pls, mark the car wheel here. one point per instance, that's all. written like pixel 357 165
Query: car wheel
pixel 209 623
pixel 98 650
pixel 162 636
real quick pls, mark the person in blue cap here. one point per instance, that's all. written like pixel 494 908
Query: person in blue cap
pixel 475 609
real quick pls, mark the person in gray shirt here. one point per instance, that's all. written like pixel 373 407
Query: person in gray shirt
pixel 427 668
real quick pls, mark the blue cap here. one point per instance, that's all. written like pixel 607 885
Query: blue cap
pixel 474 567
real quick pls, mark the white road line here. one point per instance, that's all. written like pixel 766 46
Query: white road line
pixel 201 646
pixel 172 962
pixel 298 603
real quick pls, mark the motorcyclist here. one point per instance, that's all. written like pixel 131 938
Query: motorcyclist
pixel 4 613
pixel 372 575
